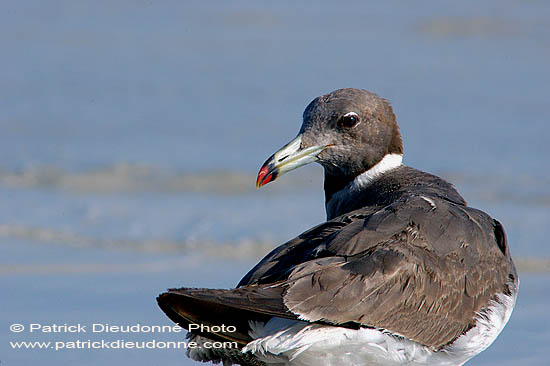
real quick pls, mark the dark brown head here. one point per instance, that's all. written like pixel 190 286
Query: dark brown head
pixel 347 131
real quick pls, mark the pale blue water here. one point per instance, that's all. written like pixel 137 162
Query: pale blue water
pixel 131 133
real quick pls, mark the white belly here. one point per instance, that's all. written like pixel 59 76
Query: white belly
pixel 297 343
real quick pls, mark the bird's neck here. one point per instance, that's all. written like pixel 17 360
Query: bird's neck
pixel 341 192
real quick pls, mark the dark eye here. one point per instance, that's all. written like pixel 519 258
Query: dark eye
pixel 348 120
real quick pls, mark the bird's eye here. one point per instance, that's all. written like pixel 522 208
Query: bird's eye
pixel 348 120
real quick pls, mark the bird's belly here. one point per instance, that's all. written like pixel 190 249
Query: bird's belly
pixel 297 343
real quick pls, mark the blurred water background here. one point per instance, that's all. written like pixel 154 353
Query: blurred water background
pixel 131 133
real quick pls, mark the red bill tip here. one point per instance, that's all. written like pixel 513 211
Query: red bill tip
pixel 263 177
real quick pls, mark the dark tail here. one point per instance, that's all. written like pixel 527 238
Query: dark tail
pixel 223 314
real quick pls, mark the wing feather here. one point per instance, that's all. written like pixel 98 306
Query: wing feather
pixel 407 268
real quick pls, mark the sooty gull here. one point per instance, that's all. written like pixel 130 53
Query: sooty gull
pixel 403 272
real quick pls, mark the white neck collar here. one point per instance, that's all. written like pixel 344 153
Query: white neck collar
pixel 389 162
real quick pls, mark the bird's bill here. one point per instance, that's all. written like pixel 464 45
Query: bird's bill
pixel 289 157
